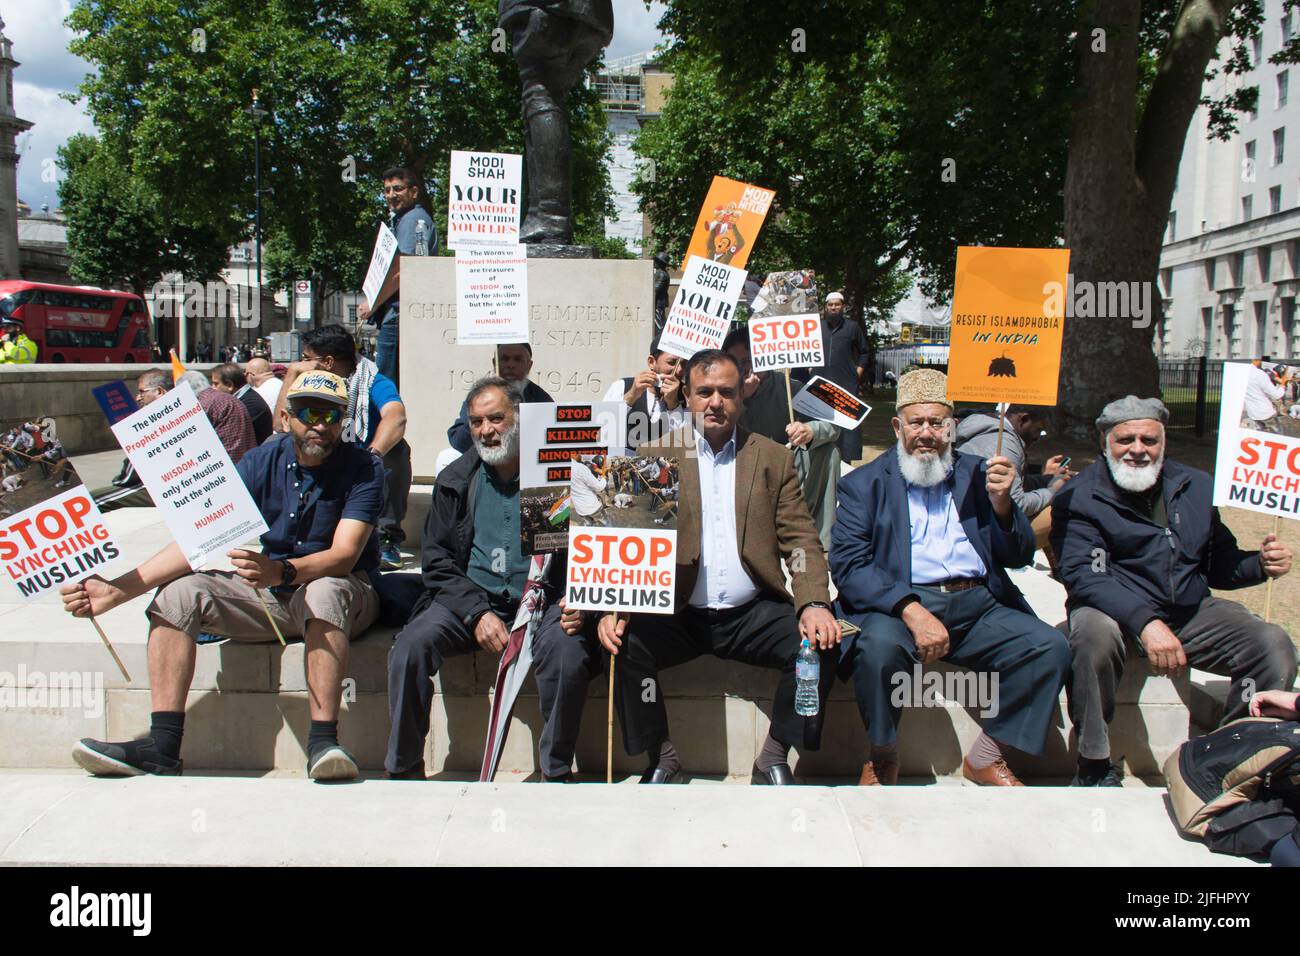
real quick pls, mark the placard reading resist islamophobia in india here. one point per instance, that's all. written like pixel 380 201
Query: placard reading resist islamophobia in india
pixel 623 534
pixel 483 200
pixel 189 475
pixel 1008 311
pixel 550 435
pixel 702 312
pixel 1258 463
pixel 50 534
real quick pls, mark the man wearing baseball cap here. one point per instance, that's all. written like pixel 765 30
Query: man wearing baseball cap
pixel 320 497
pixel 919 551
pixel 1139 546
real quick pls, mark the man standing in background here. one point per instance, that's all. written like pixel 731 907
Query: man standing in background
pixel 844 344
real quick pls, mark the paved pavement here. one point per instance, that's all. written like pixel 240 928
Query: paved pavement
pixel 69 818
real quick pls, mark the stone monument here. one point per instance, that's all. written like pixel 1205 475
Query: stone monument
pixel 10 127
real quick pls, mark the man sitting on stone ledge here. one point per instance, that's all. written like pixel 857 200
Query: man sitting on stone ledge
pixel 320 497
pixel 475 575
pixel 741 513
pixel 514 362
pixel 1139 548
pixel 919 552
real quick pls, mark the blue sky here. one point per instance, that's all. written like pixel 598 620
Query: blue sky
pixel 41 45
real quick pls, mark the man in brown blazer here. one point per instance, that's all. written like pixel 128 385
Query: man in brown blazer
pixel 741 512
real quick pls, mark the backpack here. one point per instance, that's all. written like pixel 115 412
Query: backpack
pixel 1238 788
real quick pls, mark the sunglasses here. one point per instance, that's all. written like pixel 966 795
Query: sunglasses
pixel 319 416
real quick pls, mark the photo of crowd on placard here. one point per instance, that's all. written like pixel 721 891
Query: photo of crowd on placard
pixel 620 491
pixel 34 467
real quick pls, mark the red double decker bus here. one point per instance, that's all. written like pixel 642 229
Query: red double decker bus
pixel 75 323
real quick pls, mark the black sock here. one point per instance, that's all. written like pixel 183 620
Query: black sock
pixel 665 756
pixel 1093 768
pixel 324 733
pixel 773 753
pixel 166 727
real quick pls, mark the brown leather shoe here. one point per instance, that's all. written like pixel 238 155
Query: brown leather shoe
pixel 875 775
pixel 997 774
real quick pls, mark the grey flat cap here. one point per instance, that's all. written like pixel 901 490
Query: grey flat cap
pixel 1130 408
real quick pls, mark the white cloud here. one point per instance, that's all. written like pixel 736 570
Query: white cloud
pixel 635 29
pixel 40 44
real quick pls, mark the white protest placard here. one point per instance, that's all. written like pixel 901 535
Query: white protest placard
pixel 621 569
pixel 381 260
pixel 484 200
pixel 705 304
pixel 550 434
pixel 188 473
pixel 58 537
pixel 492 296
pixel 827 402
pixel 791 341
pixel 1256 470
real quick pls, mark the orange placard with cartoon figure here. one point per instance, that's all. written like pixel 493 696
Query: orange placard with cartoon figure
pixel 729 222
pixel 1008 319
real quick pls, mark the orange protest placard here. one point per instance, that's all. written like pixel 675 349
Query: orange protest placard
pixel 732 214
pixel 1007 324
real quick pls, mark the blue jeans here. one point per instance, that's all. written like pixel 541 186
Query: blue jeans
pixel 386 347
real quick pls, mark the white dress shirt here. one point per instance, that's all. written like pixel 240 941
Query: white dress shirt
pixel 940 549
pixel 722 581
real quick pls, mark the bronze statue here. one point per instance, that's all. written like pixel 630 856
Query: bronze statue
pixel 553 41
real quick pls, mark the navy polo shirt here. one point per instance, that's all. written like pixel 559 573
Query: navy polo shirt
pixel 303 506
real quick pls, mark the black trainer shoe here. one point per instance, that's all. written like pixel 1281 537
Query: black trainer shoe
pixel 132 758
pixel 414 773
pixel 332 763
pixel 1110 777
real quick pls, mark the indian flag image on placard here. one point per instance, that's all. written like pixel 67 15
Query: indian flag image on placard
pixel 560 510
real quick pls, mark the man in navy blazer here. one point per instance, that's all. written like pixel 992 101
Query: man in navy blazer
pixel 921 541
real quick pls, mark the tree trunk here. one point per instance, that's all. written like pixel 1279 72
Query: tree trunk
pixel 1118 187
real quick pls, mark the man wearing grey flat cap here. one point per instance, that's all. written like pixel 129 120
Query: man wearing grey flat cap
pixel 1140 545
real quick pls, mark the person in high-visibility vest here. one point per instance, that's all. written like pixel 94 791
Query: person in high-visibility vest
pixel 15 347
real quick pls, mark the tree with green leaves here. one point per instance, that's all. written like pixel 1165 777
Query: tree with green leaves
pixel 1029 123
pixel 350 87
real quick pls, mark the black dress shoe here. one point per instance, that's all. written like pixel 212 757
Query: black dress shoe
pixel 563 778
pixel 775 776
pixel 660 775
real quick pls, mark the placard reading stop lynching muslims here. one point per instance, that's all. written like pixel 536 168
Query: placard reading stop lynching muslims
pixel 1256 469
pixel 189 474
pixel 51 536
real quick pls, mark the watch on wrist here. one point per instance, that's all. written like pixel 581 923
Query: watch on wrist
pixel 287 571
pixel 821 604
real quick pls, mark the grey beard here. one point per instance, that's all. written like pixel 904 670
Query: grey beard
pixel 502 453
pixel 313 452
pixel 1134 479
pixel 927 473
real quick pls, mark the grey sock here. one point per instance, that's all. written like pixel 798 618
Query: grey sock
pixel 667 757
pixel 773 753
pixel 984 752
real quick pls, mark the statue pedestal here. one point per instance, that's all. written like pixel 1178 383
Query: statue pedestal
pixel 591 322
pixel 554 250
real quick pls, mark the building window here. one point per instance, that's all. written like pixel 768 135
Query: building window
pixel 1238 270
pixel 1207 328
pixel 1257 50
pixel 1261 328
pixel 1173 226
pixel 1286 28
pixel 352 315
pixel 1288 349
pixel 1283 79
pixel 1231 344
pixel 1247 207
pixel 1209 275
pixel 1166 282
pixel 1265 262
pixel 1275 199
pixel 1279 146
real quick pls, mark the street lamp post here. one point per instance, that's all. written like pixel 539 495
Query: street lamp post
pixel 257 114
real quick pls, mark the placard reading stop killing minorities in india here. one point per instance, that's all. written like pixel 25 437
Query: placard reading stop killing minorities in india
pixel 705 305
pixel 1008 312
pixel 483 200
pixel 623 534
pixel 51 536
pixel 190 476
pixel 730 218
pixel 549 437
pixel 1255 469
pixel 827 402
pixel 492 296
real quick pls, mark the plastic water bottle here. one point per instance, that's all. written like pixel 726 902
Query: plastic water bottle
pixel 807 675
pixel 421 244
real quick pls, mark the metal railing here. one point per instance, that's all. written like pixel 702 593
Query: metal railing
pixel 1190 389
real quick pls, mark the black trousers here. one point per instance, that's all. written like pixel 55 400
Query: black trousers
pixel 397 488
pixel 763 632
pixel 563 665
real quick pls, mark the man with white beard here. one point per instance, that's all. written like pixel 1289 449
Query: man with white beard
pixel 919 552
pixel 475 575
pixel 1139 547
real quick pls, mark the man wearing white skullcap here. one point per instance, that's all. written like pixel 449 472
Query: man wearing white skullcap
pixel 845 347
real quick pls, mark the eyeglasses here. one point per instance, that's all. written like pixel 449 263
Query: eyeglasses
pixel 389 190
pixel 318 416
pixel 935 425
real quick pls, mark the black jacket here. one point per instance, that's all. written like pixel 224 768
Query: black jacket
pixel 448 537
pixel 1119 561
